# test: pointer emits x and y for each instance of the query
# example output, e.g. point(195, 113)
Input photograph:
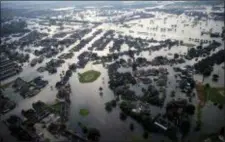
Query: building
point(6, 104)
point(19, 83)
point(166, 127)
point(8, 68)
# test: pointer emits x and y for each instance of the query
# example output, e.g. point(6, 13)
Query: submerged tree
point(93, 134)
point(176, 56)
point(123, 116)
point(131, 126)
point(145, 135)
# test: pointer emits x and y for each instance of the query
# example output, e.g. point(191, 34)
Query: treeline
point(12, 54)
point(13, 28)
point(205, 66)
point(200, 51)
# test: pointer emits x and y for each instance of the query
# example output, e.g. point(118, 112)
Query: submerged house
point(6, 104)
point(146, 80)
point(39, 83)
point(8, 68)
point(31, 88)
point(19, 83)
point(166, 127)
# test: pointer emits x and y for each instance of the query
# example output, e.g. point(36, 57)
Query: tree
point(176, 56)
point(101, 94)
point(222, 131)
point(93, 134)
point(53, 128)
point(131, 53)
point(207, 71)
point(121, 61)
point(199, 47)
point(143, 90)
point(85, 129)
point(134, 67)
point(79, 123)
point(207, 85)
point(14, 27)
point(62, 127)
point(172, 93)
point(185, 127)
point(220, 107)
point(72, 67)
point(27, 56)
point(68, 73)
point(14, 120)
point(115, 56)
point(125, 107)
point(141, 60)
point(205, 65)
point(181, 42)
point(123, 116)
point(190, 109)
point(131, 126)
point(192, 53)
point(113, 103)
point(23, 112)
point(198, 126)
point(108, 107)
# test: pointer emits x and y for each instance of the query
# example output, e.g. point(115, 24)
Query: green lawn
point(216, 95)
point(89, 76)
point(84, 112)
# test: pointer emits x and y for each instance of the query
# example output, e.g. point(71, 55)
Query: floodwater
point(87, 95)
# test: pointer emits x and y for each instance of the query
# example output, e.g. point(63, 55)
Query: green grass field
point(84, 112)
point(216, 95)
point(89, 76)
